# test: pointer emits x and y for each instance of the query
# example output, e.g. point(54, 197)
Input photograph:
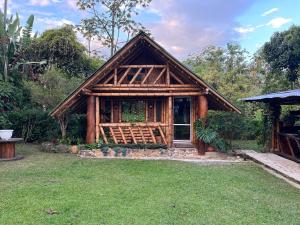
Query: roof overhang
point(290, 97)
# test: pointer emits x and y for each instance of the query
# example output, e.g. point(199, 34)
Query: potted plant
point(105, 150)
point(210, 137)
point(74, 145)
point(117, 151)
point(5, 132)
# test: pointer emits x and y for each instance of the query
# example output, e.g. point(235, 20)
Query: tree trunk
point(63, 122)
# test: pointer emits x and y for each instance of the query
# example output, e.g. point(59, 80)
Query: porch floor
point(285, 167)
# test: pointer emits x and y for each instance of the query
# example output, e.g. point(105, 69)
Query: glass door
point(182, 118)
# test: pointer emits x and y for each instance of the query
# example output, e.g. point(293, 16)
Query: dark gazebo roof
point(283, 97)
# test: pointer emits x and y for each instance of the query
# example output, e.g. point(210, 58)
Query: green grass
point(86, 191)
point(247, 144)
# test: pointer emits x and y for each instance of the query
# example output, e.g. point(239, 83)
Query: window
point(133, 111)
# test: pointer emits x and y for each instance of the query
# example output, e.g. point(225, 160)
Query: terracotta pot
point(74, 149)
point(211, 149)
point(158, 139)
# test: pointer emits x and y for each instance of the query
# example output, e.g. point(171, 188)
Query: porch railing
point(124, 133)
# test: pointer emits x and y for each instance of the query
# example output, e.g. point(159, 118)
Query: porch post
point(90, 119)
point(170, 121)
point(275, 114)
point(203, 110)
point(97, 119)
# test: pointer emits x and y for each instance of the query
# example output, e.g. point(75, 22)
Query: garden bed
point(170, 153)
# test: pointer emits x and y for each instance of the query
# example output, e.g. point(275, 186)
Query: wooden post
point(168, 74)
point(97, 119)
point(203, 107)
point(91, 122)
point(169, 121)
point(203, 110)
point(115, 76)
point(275, 111)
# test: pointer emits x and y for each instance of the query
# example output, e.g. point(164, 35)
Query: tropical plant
point(209, 136)
point(13, 42)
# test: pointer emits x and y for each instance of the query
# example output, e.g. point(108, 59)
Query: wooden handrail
point(135, 124)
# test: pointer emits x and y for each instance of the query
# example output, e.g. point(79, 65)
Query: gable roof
point(109, 64)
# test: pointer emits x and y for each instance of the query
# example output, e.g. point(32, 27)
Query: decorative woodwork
point(132, 132)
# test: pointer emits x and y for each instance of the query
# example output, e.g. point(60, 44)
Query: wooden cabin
point(285, 137)
point(143, 95)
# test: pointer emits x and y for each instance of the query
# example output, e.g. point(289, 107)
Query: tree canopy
point(109, 20)
point(282, 53)
point(61, 48)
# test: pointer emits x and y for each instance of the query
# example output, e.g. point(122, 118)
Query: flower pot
point(6, 134)
point(211, 149)
point(158, 139)
point(74, 149)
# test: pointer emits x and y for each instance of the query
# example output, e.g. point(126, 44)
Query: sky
point(183, 27)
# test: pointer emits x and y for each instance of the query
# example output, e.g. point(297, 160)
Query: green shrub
point(34, 125)
point(209, 136)
point(90, 146)
point(105, 150)
point(117, 150)
point(124, 152)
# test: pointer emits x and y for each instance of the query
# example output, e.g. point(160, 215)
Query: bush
point(34, 125)
point(210, 136)
point(105, 150)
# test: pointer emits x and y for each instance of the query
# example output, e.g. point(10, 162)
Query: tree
point(110, 19)
point(229, 71)
point(282, 53)
point(60, 47)
point(52, 87)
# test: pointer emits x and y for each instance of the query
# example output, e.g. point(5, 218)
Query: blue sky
point(183, 27)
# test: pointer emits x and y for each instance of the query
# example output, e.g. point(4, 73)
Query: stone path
point(285, 167)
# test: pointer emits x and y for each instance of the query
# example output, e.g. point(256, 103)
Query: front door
point(182, 118)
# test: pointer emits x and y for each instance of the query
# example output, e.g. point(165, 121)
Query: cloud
point(244, 30)
point(187, 26)
point(42, 2)
point(54, 22)
point(72, 4)
point(270, 11)
point(278, 22)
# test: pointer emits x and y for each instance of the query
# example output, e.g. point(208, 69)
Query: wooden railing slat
point(123, 137)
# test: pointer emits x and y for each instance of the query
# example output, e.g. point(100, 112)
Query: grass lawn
point(86, 191)
point(247, 144)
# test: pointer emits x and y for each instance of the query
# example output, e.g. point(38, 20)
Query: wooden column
point(203, 107)
point(275, 111)
point(169, 112)
point(203, 110)
point(91, 122)
point(97, 119)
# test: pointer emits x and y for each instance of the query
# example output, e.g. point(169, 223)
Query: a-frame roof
point(72, 100)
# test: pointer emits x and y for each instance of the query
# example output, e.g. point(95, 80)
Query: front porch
point(144, 120)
